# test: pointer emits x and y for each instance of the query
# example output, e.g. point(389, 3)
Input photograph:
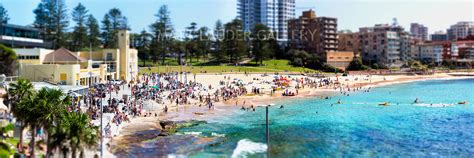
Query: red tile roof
point(62, 55)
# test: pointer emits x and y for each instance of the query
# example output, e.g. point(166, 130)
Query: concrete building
point(349, 41)
point(80, 68)
point(439, 36)
point(327, 28)
point(313, 34)
point(460, 30)
point(384, 44)
point(339, 59)
point(406, 43)
point(16, 36)
point(419, 31)
point(431, 52)
point(272, 13)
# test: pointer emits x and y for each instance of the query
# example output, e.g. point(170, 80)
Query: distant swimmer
point(339, 101)
point(462, 103)
point(281, 107)
point(417, 101)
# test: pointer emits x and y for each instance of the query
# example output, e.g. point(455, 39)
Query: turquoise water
point(358, 127)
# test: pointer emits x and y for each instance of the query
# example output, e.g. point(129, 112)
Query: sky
point(352, 14)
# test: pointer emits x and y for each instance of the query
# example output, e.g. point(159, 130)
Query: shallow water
point(358, 127)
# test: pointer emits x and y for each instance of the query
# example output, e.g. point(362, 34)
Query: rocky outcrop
point(161, 141)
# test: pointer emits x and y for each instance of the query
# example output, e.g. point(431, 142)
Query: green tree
point(42, 19)
point(51, 103)
point(79, 132)
point(18, 91)
point(93, 31)
point(112, 22)
point(3, 15)
point(356, 64)
point(191, 41)
point(143, 42)
point(6, 148)
point(108, 34)
point(179, 47)
point(28, 106)
point(162, 31)
point(7, 60)
point(261, 47)
point(203, 43)
point(234, 43)
point(52, 18)
point(218, 36)
point(79, 37)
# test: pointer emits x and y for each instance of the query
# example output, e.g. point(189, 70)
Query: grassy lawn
point(171, 62)
point(270, 66)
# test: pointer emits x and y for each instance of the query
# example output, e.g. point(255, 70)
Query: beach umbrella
point(155, 87)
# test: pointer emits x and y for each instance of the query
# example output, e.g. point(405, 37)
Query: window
point(109, 56)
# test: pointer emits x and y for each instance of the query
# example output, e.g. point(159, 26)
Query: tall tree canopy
point(142, 42)
point(234, 42)
point(162, 30)
point(7, 60)
point(218, 36)
point(79, 35)
point(93, 31)
point(112, 22)
point(3, 15)
point(261, 47)
point(52, 18)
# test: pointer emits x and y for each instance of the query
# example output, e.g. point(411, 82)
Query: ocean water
point(358, 127)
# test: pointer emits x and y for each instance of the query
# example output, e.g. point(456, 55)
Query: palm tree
point(16, 92)
point(54, 102)
point(43, 109)
point(80, 133)
point(28, 107)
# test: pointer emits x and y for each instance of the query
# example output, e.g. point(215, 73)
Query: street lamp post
point(267, 131)
point(101, 127)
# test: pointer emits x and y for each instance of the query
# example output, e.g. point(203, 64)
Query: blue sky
point(351, 14)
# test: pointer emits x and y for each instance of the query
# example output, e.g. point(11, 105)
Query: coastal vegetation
point(49, 111)
point(7, 60)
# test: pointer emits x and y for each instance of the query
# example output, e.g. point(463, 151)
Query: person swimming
point(339, 101)
point(281, 107)
point(417, 101)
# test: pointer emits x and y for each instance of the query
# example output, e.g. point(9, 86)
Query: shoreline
point(184, 113)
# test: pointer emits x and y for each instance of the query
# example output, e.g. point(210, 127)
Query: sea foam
point(245, 147)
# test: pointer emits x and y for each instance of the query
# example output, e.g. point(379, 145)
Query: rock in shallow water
point(160, 143)
point(163, 146)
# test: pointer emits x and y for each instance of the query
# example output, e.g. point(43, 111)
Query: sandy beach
point(135, 128)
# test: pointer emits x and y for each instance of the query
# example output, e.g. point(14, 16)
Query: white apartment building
point(460, 30)
point(431, 53)
point(272, 13)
